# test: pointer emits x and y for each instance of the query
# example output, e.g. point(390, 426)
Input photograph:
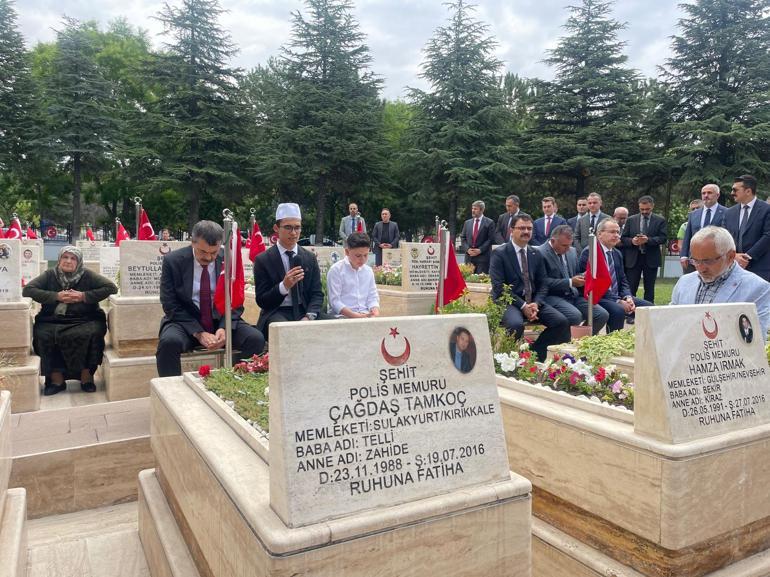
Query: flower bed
point(387, 275)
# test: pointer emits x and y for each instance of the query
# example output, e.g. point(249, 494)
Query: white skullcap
point(287, 210)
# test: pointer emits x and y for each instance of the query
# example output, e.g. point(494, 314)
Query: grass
point(663, 289)
point(245, 390)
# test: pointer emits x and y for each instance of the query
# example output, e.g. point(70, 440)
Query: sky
point(396, 30)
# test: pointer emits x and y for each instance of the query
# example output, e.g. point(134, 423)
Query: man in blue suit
point(749, 224)
point(618, 300)
point(544, 225)
point(521, 268)
point(712, 213)
point(718, 279)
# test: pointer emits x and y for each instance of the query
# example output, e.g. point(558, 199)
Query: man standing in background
point(477, 236)
point(384, 235)
point(641, 240)
point(710, 213)
point(354, 222)
point(503, 228)
point(582, 208)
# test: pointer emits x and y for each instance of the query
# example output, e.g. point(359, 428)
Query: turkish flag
point(360, 227)
point(14, 231)
point(454, 283)
point(256, 242)
point(238, 285)
point(598, 277)
point(31, 233)
point(90, 234)
point(2, 224)
point(122, 234)
point(145, 228)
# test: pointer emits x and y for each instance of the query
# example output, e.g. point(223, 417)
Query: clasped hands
point(639, 240)
point(214, 341)
point(292, 277)
point(70, 296)
point(474, 251)
point(530, 311)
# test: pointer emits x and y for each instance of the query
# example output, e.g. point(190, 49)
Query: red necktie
point(547, 225)
point(207, 322)
point(475, 231)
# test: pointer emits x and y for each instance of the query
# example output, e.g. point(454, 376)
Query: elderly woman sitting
point(69, 330)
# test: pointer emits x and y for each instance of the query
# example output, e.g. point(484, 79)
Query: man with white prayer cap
point(287, 280)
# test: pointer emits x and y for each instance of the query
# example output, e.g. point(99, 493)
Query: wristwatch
point(311, 316)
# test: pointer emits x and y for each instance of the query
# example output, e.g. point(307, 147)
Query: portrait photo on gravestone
point(462, 350)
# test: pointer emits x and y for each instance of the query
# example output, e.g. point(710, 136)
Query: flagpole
point(228, 226)
point(438, 228)
point(138, 206)
point(117, 226)
point(592, 261)
point(252, 219)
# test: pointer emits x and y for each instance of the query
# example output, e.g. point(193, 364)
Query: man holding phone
point(641, 240)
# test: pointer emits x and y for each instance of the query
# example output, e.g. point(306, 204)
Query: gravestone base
point(251, 309)
point(478, 293)
point(134, 323)
point(217, 490)
point(129, 377)
point(396, 302)
point(16, 328)
point(13, 503)
point(23, 381)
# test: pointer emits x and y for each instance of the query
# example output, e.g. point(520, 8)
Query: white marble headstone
point(389, 420)
point(109, 262)
point(420, 263)
point(391, 256)
point(248, 266)
point(327, 256)
point(698, 374)
point(141, 263)
point(91, 248)
point(10, 270)
point(30, 262)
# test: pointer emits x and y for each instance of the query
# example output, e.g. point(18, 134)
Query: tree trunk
point(320, 212)
point(452, 218)
point(78, 181)
point(194, 208)
point(580, 184)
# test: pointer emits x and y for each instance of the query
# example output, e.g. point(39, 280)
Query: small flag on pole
point(14, 231)
point(598, 279)
point(90, 234)
point(238, 285)
point(122, 234)
point(31, 233)
point(257, 243)
point(146, 231)
point(454, 283)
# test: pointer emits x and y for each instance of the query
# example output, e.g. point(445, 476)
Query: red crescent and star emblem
point(431, 251)
point(392, 359)
point(711, 334)
point(164, 249)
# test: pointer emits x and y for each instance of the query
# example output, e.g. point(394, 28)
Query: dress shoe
point(88, 387)
point(54, 389)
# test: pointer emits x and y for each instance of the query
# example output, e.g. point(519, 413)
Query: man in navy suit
point(582, 209)
point(641, 240)
point(549, 221)
point(521, 268)
point(618, 300)
point(749, 224)
point(503, 226)
point(712, 213)
point(477, 237)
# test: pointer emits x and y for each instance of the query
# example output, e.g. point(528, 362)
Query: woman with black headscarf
point(69, 329)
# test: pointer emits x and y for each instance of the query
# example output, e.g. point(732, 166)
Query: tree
point(197, 127)
point(588, 118)
point(327, 140)
point(717, 98)
point(461, 127)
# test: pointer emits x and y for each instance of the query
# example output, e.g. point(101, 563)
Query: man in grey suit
point(718, 278)
point(749, 223)
point(477, 236)
point(712, 213)
point(354, 222)
point(564, 280)
point(384, 235)
point(588, 223)
point(503, 227)
point(641, 240)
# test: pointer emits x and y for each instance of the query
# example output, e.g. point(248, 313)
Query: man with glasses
point(718, 279)
point(519, 267)
point(749, 224)
point(287, 280)
point(710, 213)
point(187, 286)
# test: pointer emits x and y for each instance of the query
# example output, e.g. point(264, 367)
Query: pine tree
point(587, 119)
point(718, 91)
point(197, 127)
point(461, 128)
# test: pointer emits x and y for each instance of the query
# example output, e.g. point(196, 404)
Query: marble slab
point(109, 263)
point(396, 302)
point(705, 371)
point(91, 249)
point(391, 256)
point(10, 269)
point(16, 328)
point(134, 324)
point(30, 262)
point(327, 256)
point(13, 535)
point(141, 262)
point(400, 424)
point(420, 266)
point(23, 382)
point(5, 446)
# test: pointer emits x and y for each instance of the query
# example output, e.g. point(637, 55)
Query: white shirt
point(196, 288)
point(351, 288)
point(748, 212)
point(713, 210)
point(285, 260)
point(518, 253)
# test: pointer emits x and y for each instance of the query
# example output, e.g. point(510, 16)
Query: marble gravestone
point(420, 266)
point(327, 256)
point(391, 256)
point(10, 270)
point(395, 423)
point(704, 371)
point(141, 262)
point(30, 262)
point(91, 249)
point(109, 262)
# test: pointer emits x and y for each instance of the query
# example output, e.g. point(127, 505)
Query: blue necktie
point(611, 266)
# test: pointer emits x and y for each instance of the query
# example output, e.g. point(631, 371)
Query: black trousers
point(635, 274)
point(174, 341)
point(556, 327)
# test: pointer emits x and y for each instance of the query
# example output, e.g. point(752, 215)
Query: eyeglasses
point(522, 228)
point(290, 228)
point(706, 261)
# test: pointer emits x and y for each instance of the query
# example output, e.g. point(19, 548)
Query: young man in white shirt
point(350, 282)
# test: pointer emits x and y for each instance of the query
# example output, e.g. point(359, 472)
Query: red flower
point(601, 374)
point(556, 357)
point(204, 371)
point(532, 369)
point(525, 354)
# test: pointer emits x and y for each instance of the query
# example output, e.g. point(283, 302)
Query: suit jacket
point(756, 238)
point(693, 225)
point(176, 286)
point(502, 230)
point(504, 271)
point(656, 235)
point(465, 359)
point(741, 286)
point(268, 274)
point(484, 240)
point(573, 221)
point(580, 240)
point(391, 239)
point(558, 284)
point(538, 235)
point(620, 274)
point(345, 226)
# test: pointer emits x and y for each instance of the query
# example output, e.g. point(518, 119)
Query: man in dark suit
point(749, 224)
point(477, 236)
point(642, 238)
point(503, 227)
point(712, 213)
point(565, 282)
point(521, 268)
point(187, 287)
point(582, 208)
point(589, 221)
point(549, 221)
point(384, 235)
point(460, 350)
point(287, 280)
point(618, 300)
